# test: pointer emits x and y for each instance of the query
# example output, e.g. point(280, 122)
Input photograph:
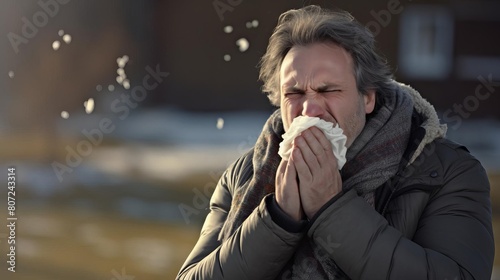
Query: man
point(408, 204)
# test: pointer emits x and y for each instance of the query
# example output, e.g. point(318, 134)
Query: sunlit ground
point(58, 242)
point(129, 227)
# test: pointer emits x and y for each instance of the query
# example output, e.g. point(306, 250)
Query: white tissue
point(334, 134)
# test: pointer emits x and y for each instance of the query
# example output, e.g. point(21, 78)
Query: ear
point(369, 98)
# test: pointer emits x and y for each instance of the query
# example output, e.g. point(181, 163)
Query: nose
point(311, 107)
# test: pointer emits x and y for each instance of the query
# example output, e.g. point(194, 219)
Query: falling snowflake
point(56, 44)
point(126, 84)
point(252, 24)
point(243, 44)
point(220, 123)
point(67, 38)
point(228, 29)
point(122, 77)
point(89, 105)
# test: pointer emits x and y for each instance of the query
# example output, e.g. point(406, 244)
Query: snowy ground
point(170, 143)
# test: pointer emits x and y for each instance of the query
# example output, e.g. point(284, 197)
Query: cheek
point(355, 124)
point(285, 113)
point(289, 110)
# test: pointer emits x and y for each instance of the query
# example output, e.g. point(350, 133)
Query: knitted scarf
point(372, 159)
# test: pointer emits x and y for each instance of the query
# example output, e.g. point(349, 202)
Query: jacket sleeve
point(453, 239)
point(259, 248)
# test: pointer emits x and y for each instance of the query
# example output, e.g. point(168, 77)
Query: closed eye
point(329, 90)
point(292, 94)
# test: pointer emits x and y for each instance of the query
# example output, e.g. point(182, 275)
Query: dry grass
point(86, 246)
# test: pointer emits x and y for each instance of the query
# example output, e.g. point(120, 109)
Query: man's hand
point(318, 176)
point(287, 190)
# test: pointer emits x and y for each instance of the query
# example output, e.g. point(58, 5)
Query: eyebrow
point(331, 84)
point(292, 89)
point(324, 87)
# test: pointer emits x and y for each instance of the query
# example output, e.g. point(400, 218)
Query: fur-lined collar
point(433, 128)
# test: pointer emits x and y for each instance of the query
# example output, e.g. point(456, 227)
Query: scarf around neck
point(372, 159)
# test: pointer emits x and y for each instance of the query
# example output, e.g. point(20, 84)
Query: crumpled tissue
point(334, 134)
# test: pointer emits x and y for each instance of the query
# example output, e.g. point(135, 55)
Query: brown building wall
point(192, 44)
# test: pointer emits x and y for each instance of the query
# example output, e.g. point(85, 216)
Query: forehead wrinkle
point(288, 79)
point(299, 71)
point(298, 78)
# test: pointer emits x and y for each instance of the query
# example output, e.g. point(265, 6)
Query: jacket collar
point(425, 121)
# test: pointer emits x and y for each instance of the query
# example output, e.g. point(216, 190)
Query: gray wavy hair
point(313, 24)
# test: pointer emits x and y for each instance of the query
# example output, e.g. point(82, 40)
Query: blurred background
point(120, 116)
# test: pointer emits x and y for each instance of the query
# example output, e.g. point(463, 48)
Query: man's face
point(318, 80)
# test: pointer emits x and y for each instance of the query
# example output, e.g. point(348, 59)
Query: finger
point(294, 175)
point(303, 170)
point(280, 173)
point(310, 158)
point(320, 136)
point(290, 173)
point(314, 143)
point(326, 145)
point(291, 192)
